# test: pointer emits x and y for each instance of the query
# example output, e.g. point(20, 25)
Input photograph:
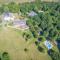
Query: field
point(17, 1)
point(11, 41)
point(50, 0)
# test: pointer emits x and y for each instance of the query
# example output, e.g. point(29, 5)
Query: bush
point(36, 42)
point(26, 36)
point(5, 56)
point(40, 49)
point(54, 55)
point(40, 39)
point(25, 49)
point(50, 51)
point(0, 59)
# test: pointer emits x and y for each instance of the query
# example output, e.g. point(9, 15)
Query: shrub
point(54, 55)
point(0, 59)
point(25, 49)
point(36, 42)
point(5, 56)
point(40, 49)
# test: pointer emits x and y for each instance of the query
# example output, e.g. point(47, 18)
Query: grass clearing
point(14, 44)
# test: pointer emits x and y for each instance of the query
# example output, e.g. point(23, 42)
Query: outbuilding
point(32, 13)
point(8, 16)
point(48, 44)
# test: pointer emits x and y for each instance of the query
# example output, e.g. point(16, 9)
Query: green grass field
point(12, 41)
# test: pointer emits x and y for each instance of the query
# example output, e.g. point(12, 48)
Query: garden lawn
point(14, 44)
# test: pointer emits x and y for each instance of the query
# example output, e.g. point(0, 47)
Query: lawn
point(14, 44)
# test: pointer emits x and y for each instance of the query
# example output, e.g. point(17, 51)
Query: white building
point(48, 44)
point(8, 17)
point(32, 13)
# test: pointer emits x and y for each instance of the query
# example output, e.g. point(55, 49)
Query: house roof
point(8, 16)
point(19, 22)
point(32, 13)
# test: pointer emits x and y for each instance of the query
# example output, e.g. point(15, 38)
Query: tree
point(26, 36)
point(0, 58)
point(54, 55)
point(40, 49)
point(1, 9)
point(6, 9)
point(36, 43)
point(13, 7)
point(5, 56)
point(52, 33)
point(25, 49)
